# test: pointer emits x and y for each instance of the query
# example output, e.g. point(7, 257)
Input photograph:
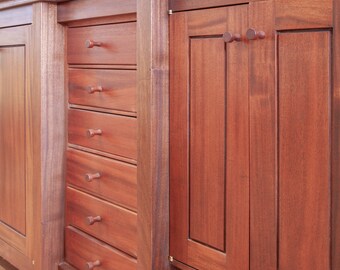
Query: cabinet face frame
point(10, 37)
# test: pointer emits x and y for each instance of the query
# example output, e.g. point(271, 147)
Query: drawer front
point(103, 44)
point(108, 133)
point(111, 89)
point(113, 180)
point(82, 250)
point(111, 224)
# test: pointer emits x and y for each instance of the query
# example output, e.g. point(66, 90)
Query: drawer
point(110, 89)
point(105, 221)
point(105, 132)
point(113, 180)
point(102, 44)
point(82, 250)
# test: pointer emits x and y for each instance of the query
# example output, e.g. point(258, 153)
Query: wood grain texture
point(119, 88)
point(304, 150)
point(88, 9)
point(5, 4)
point(119, 133)
point(117, 227)
point(16, 16)
point(153, 138)
point(12, 138)
point(118, 44)
point(335, 236)
point(81, 248)
point(263, 184)
point(207, 142)
point(223, 76)
point(117, 182)
point(181, 5)
point(303, 14)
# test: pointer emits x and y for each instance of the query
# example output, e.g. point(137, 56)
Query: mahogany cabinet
point(32, 135)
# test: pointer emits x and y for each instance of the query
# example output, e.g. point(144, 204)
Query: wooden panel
point(118, 44)
point(118, 132)
point(118, 88)
point(230, 93)
point(13, 255)
point(207, 141)
point(180, 5)
point(88, 9)
point(302, 14)
point(16, 16)
point(12, 138)
point(153, 134)
point(5, 4)
point(81, 249)
point(335, 236)
point(118, 226)
point(304, 150)
point(117, 182)
point(263, 187)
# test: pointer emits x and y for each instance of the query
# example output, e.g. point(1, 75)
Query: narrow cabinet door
point(209, 139)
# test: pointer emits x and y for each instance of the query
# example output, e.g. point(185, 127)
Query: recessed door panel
point(209, 139)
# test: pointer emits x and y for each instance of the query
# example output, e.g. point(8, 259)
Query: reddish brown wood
point(263, 186)
point(217, 119)
point(118, 88)
point(81, 249)
point(207, 141)
point(304, 150)
point(117, 226)
point(117, 182)
point(12, 138)
point(335, 235)
point(118, 132)
point(118, 44)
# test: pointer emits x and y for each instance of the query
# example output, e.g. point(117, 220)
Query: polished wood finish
point(81, 249)
point(303, 14)
point(118, 44)
point(117, 182)
point(12, 138)
point(335, 168)
point(5, 4)
point(118, 88)
point(17, 16)
point(181, 5)
point(118, 133)
point(263, 159)
point(209, 140)
point(89, 9)
point(153, 134)
point(117, 226)
point(304, 150)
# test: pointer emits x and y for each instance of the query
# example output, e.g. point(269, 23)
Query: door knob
point(93, 132)
point(92, 265)
point(90, 43)
point(230, 37)
point(252, 34)
point(92, 220)
point(91, 176)
point(93, 89)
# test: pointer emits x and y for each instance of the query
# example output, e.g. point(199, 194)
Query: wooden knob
point(93, 220)
point(92, 265)
point(91, 176)
point(93, 89)
point(252, 34)
point(94, 132)
point(230, 37)
point(90, 44)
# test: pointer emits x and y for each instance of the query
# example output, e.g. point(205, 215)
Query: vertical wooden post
point(336, 139)
point(153, 135)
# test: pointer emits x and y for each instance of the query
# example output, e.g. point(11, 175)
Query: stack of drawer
point(101, 191)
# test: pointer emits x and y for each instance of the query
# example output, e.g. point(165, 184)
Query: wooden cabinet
point(251, 124)
point(32, 135)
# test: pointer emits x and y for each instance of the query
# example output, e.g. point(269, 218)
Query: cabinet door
point(209, 139)
point(13, 135)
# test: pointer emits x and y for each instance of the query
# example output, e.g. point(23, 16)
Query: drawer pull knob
point(93, 220)
point(230, 37)
point(94, 132)
point(90, 43)
point(92, 265)
point(91, 176)
point(93, 89)
point(252, 34)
